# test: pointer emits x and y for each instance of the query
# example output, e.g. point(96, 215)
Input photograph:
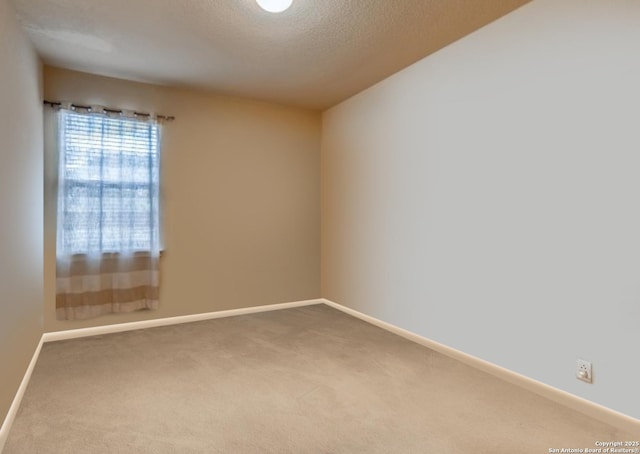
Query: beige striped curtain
point(91, 286)
point(108, 239)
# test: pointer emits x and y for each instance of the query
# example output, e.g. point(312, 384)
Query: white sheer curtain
point(108, 222)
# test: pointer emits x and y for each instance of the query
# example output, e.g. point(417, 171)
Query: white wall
point(488, 197)
point(20, 205)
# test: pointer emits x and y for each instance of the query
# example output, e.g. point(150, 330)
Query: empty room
point(302, 226)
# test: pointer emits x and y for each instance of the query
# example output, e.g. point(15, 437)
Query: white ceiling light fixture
point(274, 6)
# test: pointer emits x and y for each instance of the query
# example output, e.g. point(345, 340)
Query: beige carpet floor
point(304, 380)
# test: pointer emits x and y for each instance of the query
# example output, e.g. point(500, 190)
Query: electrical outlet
point(584, 371)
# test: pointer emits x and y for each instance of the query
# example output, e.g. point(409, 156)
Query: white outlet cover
point(584, 371)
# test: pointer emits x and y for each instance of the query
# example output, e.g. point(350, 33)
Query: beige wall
point(488, 197)
point(242, 197)
point(20, 205)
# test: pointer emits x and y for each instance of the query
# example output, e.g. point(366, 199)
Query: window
point(108, 241)
point(109, 184)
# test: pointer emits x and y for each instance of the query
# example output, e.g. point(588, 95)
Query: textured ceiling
point(316, 54)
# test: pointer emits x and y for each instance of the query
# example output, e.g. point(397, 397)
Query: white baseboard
point(120, 327)
point(17, 399)
point(564, 398)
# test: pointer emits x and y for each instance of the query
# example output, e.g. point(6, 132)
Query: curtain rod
point(110, 110)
